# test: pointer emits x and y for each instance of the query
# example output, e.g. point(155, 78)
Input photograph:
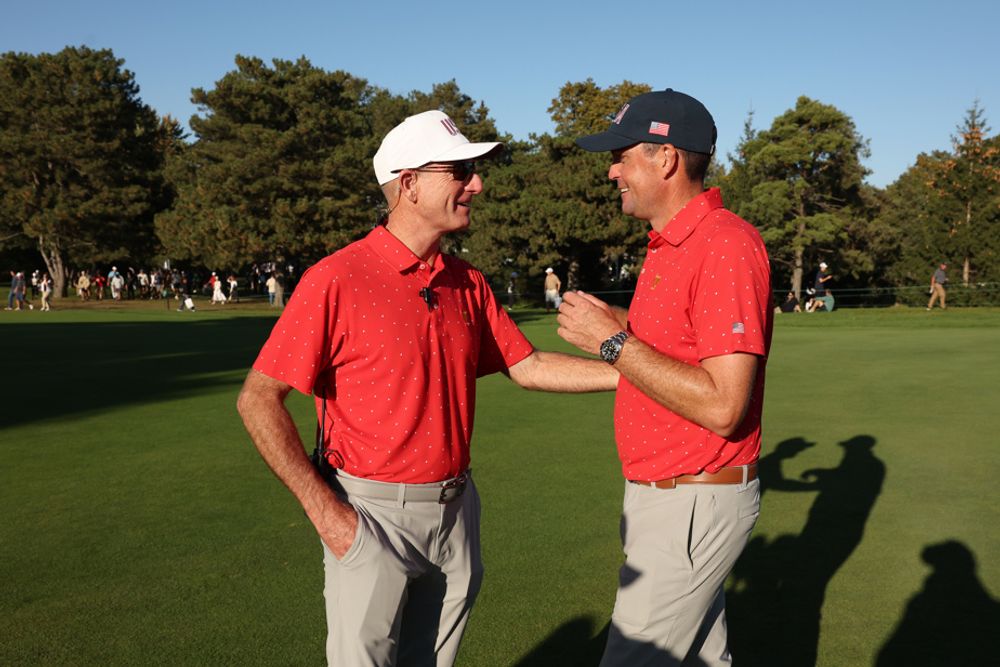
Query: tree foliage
point(583, 107)
point(278, 168)
point(281, 167)
point(946, 208)
point(80, 158)
point(920, 218)
point(800, 183)
point(553, 204)
point(970, 180)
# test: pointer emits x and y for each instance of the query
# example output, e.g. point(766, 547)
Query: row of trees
point(280, 169)
point(801, 182)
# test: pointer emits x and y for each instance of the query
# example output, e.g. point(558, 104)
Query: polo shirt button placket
point(426, 277)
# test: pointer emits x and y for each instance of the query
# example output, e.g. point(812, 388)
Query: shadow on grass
point(949, 622)
point(572, 645)
point(569, 644)
point(60, 369)
point(778, 588)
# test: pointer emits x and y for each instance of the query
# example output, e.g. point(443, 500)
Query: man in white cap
point(822, 280)
point(552, 287)
point(390, 335)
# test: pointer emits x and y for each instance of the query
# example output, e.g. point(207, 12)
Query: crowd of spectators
point(160, 284)
point(100, 284)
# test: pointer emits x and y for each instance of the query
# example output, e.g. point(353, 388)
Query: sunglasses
point(462, 171)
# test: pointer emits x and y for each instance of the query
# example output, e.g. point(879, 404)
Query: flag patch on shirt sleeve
point(738, 327)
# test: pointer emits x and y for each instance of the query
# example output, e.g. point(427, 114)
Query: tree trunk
point(968, 235)
point(54, 263)
point(799, 253)
point(573, 274)
point(797, 274)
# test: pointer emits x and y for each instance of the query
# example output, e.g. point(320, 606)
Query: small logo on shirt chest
point(656, 281)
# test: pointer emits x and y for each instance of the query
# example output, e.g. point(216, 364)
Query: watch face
point(610, 349)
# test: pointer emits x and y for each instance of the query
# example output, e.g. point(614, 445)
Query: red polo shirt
point(704, 291)
point(399, 375)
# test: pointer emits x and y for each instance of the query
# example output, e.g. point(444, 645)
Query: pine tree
point(971, 178)
point(80, 159)
point(553, 204)
point(800, 183)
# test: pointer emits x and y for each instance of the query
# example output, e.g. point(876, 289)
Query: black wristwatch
point(611, 349)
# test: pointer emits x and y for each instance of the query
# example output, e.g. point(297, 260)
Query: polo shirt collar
point(395, 252)
point(684, 223)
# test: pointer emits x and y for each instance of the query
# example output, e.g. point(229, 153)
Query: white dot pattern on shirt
point(692, 291)
point(364, 315)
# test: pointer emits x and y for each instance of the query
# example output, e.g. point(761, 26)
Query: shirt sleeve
point(732, 295)
point(299, 348)
point(502, 344)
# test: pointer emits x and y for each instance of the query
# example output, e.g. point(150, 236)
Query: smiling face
point(446, 191)
point(638, 174)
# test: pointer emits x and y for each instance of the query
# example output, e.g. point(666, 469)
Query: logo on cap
point(449, 125)
point(662, 129)
point(620, 115)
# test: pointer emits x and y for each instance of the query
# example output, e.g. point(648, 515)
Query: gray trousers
point(680, 545)
point(403, 592)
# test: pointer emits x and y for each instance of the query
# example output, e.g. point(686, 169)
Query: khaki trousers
point(680, 545)
point(402, 593)
point(938, 293)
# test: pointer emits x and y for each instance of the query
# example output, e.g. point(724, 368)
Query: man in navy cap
point(691, 351)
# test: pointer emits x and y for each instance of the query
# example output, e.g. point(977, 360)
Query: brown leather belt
point(734, 475)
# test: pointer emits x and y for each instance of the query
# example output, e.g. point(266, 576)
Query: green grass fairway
point(140, 526)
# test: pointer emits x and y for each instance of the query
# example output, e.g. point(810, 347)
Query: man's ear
point(669, 159)
point(408, 185)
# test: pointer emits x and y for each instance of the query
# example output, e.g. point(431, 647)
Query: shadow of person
point(570, 645)
point(776, 599)
point(769, 467)
point(951, 620)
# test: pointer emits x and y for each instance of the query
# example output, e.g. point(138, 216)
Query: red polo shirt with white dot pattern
point(704, 291)
point(398, 374)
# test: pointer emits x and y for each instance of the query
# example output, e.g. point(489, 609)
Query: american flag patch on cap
point(662, 129)
point(738, 327)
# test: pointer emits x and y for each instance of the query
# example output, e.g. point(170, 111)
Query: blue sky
point(906, 72)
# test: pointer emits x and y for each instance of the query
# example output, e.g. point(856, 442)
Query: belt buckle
point(457, 483)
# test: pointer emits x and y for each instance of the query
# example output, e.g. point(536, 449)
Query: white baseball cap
point(822, 265)
point(423, 138)
point(548, 270)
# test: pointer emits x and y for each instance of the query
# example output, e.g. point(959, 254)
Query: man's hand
point(339, 533)
point(261, 404)
point(586, 321)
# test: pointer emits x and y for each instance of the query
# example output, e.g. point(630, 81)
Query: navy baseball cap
point(660, 117)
